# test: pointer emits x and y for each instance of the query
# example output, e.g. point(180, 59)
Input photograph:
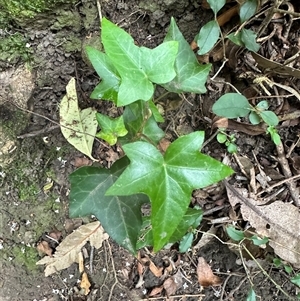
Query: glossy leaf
point(140, 124)
point(248, 37)
point(139, 67)
point(111, 128)
point(247, 10)
point(110, 80)
point(120, 216)
point(216, 5)
point(168, 180)
point(235, 234)
point(231, 105)
point(77, 126)
point(208, 36)
point(190, 75)
point(221, 138)
point(190, 220)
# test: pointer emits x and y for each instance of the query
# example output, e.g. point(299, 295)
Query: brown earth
point(30, 210)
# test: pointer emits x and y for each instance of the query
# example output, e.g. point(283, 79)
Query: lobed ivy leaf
point(248, 37)
point(247, 10)
point(191, 219)
point(190, 75)
point(208, 36)
point(140, 122)
point(120, 216)
point(111, 128)
point(216, 5)
point(231, 105)
point(110, 80)
point(168, 180)
point(138, 66)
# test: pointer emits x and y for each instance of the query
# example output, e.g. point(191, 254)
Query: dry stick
point(287, 173)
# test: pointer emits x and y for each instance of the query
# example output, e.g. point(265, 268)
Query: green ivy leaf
point(186, 242)
point(236, 38)
point(157, 116)
point(111, 128)
point(208, 36)
point(190, 75)
point(110, 80)
point(168, 180)
point(254, 118)
point(137, 66)
point(140, 123)
point(120, 216)
point(251, 295)
point(247, 10)
point(248, 37)
point(235, 234)
point(191, 219)
point(270, 118)
point(216, 5)
point(231, 105)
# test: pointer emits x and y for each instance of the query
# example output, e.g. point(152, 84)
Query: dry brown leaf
point(67, 251)
point(172, 284)
point(156, 291)
point(44, 248)
point(279, 221)
point(249, 129)
point(85, 283)
point(155, 270)
point(80, 262)
point(205, 275)
point(81, 161)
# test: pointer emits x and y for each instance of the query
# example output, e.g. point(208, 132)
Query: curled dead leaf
point(85, 283)
point(205, 275)
point(172, 284)
point(44, 248)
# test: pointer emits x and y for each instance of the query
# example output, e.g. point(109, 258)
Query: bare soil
point(31, 207)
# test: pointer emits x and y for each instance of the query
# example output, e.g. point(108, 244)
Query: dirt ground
point(36, 161)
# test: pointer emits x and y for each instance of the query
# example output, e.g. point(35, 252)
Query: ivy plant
point(145, 176)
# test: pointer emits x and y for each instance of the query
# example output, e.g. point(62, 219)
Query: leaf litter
point(67, 251)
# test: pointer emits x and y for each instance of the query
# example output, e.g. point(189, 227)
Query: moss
point(29, 8)
point(26, 256)
point(13, 48)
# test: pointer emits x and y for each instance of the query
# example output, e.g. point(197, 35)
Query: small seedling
point(228, 140)
point(234, 105)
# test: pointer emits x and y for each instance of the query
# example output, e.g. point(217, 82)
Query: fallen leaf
point(44, 248)
point(156, 291)
point(81, 161)
point(172, 284)
point(278, 221)
point(55, 234)
point(155, 270)
point(80, 262)
point(77, 126)
point(205, 275)
point(85, 283)
point(67, 252)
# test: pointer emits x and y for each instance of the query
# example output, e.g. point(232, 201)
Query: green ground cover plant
point(145, 175)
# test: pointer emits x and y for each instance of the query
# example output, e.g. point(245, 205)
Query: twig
point(39, 132)
point(287, 172)
point(91, 259)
